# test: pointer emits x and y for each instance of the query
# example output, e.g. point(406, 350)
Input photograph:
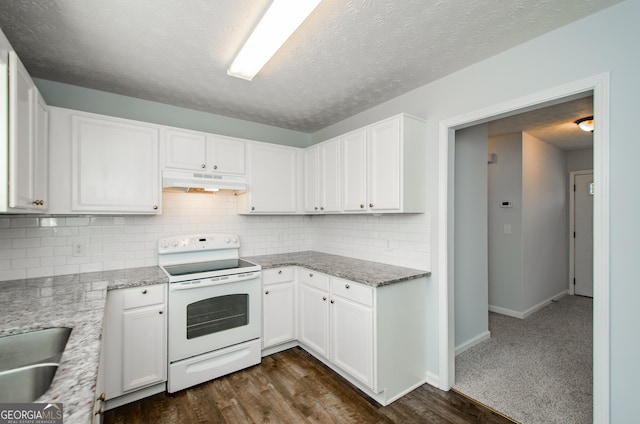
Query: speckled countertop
point(371, 273)
point(75, 301)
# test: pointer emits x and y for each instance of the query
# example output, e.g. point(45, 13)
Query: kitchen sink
point(28, 362)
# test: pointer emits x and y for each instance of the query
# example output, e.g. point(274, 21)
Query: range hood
point(207, 181)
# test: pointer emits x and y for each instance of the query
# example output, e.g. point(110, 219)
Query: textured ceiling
point(348, 56)
point(552, 124)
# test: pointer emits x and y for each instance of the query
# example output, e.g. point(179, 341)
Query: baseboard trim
point(432, 379)
point(533, 309)
point(472, 342)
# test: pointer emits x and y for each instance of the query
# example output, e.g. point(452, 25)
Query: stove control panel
point(198, 242)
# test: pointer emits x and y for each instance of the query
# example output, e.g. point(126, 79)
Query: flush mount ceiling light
point(586, 123)
point(280, 21)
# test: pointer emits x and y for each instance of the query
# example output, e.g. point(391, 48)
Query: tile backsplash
point(36, 246)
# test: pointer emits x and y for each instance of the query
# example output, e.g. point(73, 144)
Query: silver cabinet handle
point(203, 166)
point(332, 301)
point(321, 208)
point(310, 274)
point(267, 292)
point(370, 205)
point(346, 286)
point(215, 166)
point(144, 291)
point(161, 312)
point(253, 208)
point(279, 271)
point(324, 297)
point(155, 207)
point(361, 206)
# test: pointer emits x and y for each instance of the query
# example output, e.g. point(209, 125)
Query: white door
point(583, 234)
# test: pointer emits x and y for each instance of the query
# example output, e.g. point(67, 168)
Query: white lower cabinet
point(352, 334)
point(135, 343)
point(375, 337)
point(314, 311)
point(278, 306)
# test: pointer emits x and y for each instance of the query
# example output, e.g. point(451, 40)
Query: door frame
point(572, 207)
point(599, 86)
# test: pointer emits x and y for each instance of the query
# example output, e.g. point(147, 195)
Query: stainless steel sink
point(29, 361)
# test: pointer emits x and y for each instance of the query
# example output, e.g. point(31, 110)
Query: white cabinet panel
point(272, 180)
point(185, 150)
point(28, 142)
point(322, 178)
point(383, 167)
point(278, 307)
point(354, 171)
point(201, 151)
point(143, 347)
point(314, 319)
point(134, 340)
point(352, 338)
point(114, 166)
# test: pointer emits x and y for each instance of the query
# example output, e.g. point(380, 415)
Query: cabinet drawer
point(144, 296)
point(314, 278)
point(352, 291)
point(277, 275)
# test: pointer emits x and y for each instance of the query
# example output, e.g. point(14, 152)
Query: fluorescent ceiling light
point(280, 21)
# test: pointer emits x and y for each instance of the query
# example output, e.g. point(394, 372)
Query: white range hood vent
point(185, 180)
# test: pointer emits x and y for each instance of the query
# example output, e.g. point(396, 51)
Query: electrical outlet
point(387, 245)
point(78, 249)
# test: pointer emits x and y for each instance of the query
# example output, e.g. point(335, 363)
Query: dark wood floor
point(294, 387)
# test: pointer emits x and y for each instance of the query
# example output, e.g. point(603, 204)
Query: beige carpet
point(536, 370)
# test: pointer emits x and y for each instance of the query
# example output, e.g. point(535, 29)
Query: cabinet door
point(228, 155)
point(354, 172)
point(114, 166)
point(329, 183)
point(21, 135)
point(273, 179)
point(352, 339)
point(278, 325)
point(311, 183)
point(41, 157)
point(383, 172)
point(314, 319)
point(185, 150)
point(144, 347)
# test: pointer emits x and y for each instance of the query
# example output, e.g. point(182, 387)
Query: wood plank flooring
point(294, 387)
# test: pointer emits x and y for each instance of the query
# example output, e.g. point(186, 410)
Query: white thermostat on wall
point(506, 204)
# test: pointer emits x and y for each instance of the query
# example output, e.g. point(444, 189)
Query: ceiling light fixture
point(280, 21)
point(586, 123)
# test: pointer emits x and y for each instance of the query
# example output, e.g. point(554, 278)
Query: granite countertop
point(366, 272)
point(75, 301)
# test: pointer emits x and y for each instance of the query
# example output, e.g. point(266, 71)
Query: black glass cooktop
point(209, 266)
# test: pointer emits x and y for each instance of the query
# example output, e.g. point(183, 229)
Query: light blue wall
point(470, 229)
point(554, 59)
point(88, 100)
point(505, 250)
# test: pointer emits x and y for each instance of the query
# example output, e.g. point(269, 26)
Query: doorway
point(599, 85)
point(581, 238)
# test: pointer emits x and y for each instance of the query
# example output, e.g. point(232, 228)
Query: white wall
point(33, 246)
point(505, 250)
point(579, 160)
point(470, 227)
point(549, 61)
point(545, 270)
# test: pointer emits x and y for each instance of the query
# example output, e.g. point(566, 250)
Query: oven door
point(206, 315)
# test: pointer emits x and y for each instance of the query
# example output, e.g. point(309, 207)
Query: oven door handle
point(213, 281)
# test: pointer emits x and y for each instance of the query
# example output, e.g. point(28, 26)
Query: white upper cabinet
point(354, 171)
point(27, 123)
point(322, 177)
point(114, 166)
point(272, 173)
point(206, 152)
point(383, 167)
